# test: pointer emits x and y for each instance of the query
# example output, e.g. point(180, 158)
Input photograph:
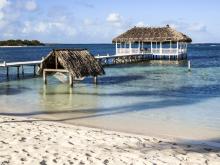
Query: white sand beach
point(27, 141)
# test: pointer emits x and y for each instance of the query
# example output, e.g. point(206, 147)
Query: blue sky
point(98, 21)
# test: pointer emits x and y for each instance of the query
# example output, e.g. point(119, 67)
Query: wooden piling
point(34, 70)
point(22, 70)
point(70, 80)
point(18, 71)
point(7, 72)
point(45, 77)
point(95, 79)
point(189, 66)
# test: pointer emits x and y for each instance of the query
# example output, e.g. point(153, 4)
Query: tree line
point(21, 43)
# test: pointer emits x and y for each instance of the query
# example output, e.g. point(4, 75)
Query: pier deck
point(104, 60)
point(137, 57)
point(8, 65)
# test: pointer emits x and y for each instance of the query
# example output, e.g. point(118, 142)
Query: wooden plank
point(20, 63)
point(56, 70)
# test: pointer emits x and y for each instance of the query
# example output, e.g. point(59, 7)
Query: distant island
point(21, 43)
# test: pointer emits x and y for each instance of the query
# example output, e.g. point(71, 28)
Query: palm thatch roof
point(79, 62)
point(152, 34)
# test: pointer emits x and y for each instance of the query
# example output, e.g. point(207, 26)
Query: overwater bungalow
point(77, 63)
point(158, 42)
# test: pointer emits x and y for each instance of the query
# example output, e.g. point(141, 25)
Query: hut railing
point(168, 51)
point(156, 51)
point(128, 51)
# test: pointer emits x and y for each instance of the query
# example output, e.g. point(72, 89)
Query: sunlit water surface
point(148, 98)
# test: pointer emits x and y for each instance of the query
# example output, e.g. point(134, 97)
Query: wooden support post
point(177, 48)
point(22, 70)
point(45, 77)
point(189, 66)
point(95, 79)
point(7, 72)
point(70, 80)
point(18, 71)
point(160, 48)
point(151, 47)
point(139, 47)
point(34, 70)
point(130, 47)
point(116, 48)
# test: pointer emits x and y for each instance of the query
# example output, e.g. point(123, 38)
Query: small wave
point(213, 45)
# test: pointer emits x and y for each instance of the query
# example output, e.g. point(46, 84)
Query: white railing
point(168, 51)
point(155, 51)
point(128, 51)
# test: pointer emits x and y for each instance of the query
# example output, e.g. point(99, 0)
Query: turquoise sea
point(147, 98)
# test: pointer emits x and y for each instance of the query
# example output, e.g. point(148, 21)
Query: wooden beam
point(56, 70)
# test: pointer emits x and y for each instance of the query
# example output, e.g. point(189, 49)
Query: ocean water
point(147, 98)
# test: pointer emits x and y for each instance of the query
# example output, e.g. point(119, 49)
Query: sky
point(98, 21)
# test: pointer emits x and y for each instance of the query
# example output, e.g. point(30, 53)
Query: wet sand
point(27, 141)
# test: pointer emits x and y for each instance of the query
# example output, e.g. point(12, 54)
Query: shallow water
point(147, 98)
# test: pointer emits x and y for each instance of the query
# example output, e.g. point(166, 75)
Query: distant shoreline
point(22, 46)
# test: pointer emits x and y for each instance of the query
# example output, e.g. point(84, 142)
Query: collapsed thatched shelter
point(77, 62)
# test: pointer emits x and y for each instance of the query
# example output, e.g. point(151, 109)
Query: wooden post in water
point(18, 71)
point(34, 70)
point(44, 77)
point(22, 70)
point(95, 79)
point(70, 80)
point(189, 66)
point(7, 72)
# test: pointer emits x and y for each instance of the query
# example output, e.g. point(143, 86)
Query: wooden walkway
point(132, 58)
point(19, 65)
point(104, 60)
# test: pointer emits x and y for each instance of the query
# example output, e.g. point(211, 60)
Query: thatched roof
point(79, 62)
point(149, 34)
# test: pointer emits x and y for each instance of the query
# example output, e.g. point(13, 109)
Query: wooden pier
point(104, 60)
point(132, 58)
point(19, 65)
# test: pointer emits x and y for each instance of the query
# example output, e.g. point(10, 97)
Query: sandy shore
point(24, 141)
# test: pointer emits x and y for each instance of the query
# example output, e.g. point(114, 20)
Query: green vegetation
point(21, 43)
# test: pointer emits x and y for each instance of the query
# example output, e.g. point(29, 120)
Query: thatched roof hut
point(78, 62)
point(152, 34)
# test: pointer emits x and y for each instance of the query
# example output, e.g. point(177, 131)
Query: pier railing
point(128, 51)
point(154, 51)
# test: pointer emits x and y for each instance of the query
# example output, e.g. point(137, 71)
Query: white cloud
point(47, 27)
point(30, 5)
point(197, 27)
point(1, 15)
point(3, 3)
point(140, 24)
point(88, 22)
point(186, 26)
point(114, 18)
